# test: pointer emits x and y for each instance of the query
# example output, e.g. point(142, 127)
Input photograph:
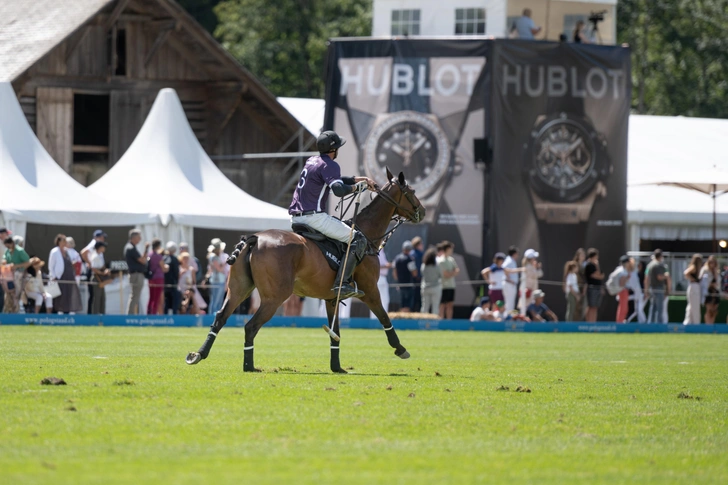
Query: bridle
point(406, 192)
point(412, 215)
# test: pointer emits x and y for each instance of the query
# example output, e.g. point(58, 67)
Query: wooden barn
point(87, 72)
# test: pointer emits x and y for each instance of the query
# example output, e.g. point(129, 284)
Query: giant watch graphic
point(414, 143)
point(566, 166)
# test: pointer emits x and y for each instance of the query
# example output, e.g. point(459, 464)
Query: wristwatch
point(413, 143)
point(566, 166)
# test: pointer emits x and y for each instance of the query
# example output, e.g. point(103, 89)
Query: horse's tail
point(245, 241)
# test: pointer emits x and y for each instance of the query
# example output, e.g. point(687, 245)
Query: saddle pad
point(332, 250)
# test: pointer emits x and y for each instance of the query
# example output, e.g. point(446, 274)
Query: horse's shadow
point(324, 373)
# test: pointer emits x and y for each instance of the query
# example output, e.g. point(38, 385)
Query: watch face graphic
point(409, 142)
point(563, 161)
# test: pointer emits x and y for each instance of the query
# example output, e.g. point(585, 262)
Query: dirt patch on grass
point(687, 395)
point(503, 388)
point(125, 382)
point(53, 381)
point(523, 389)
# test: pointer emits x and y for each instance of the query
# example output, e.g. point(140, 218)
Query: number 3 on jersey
point(302, 182)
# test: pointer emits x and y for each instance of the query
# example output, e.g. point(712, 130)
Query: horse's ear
point(401, 178)
point(389, 174)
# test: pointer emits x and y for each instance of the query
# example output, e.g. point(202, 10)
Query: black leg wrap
point(248, 363)
point(392, 338)
point(335, 363)
point(205, 349)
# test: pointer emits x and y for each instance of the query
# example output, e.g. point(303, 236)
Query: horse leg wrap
point(205, 349)
point(248, 364)
point(335, 363)
point(392, 337)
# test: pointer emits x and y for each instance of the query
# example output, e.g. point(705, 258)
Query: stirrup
point(348, 291)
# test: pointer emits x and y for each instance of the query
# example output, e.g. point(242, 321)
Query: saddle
point(332, 249)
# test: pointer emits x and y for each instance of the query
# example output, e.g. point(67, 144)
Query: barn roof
point(31, 28)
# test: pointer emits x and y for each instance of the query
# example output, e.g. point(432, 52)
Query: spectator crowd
point(177, 281)
point(425, 282)
point(635, 285)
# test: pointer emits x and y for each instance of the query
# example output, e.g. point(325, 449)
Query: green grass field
point(602, 408)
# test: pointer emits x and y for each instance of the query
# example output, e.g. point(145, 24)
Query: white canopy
point(166, 172)
point(34, 188)
point(308, 111)
point(676, 151)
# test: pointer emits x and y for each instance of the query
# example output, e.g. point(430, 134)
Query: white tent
point(308, 111)
point(34, 188)
point(166, 172)
point(675, 149)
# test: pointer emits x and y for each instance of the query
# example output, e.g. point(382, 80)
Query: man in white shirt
point(99, 273)
point(88, 253)
point(382, 283)
point(510, 289)
point(525, 26)
point(483, 312)
point(637, 297)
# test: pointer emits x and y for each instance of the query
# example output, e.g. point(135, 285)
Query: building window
point(570, 24)
point(469, 21)
point(116, 51)
point(91, 127)
point(406, 22)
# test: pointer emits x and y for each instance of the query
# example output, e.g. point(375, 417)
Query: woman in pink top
point(156, 283)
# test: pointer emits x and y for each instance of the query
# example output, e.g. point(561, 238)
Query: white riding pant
point(325, 224)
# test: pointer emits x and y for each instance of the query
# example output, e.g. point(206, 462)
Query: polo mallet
point(328, 330)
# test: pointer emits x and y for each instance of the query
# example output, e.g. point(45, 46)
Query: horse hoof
point(403, 355)
point(339, 371)
point(193, 358)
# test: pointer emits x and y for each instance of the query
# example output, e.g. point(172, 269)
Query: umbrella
point(709, 182)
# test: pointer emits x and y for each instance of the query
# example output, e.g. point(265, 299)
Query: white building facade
point(491, 17)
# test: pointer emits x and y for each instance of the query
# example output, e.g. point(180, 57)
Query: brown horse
point(279, 263)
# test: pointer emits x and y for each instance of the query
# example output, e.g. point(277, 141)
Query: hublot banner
point(506, 143)
point(559, 128)
point(418, 106)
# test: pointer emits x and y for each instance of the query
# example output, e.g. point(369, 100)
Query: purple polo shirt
point(312, 191)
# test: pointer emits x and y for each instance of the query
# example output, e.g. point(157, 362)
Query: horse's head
point(402, 196)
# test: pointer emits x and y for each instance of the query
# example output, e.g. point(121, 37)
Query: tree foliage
point(284, 42)
point(202, 11)
point(679, 55)
point(679, 47)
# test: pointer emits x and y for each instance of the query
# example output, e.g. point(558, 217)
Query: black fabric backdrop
point(496, 119)
point(535, 81)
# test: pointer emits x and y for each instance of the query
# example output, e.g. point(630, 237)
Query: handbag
point(53, 289)
point(149, 273)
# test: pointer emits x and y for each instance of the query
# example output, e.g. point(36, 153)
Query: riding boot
point(348, 288)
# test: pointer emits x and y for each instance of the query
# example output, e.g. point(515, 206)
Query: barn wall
point(54, 118)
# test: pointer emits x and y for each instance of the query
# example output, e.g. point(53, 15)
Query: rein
point(411, 215)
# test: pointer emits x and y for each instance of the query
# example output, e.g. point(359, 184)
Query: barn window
point(116, 50)
point(91, 127)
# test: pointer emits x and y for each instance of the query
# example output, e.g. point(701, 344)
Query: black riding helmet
point(328, 141)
